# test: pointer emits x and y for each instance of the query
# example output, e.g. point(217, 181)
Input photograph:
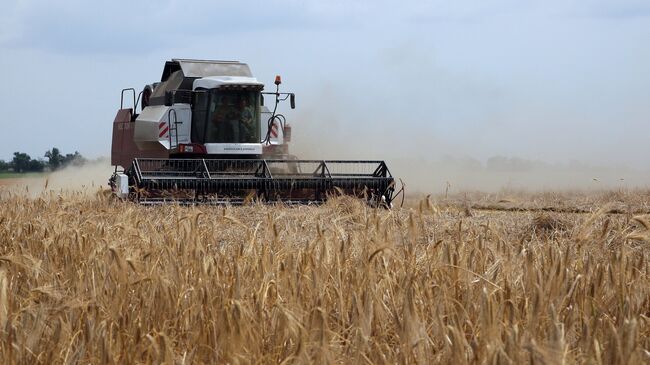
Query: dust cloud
point(87, 179)
point(427, 164)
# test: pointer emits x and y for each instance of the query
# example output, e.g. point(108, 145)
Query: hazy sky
point(546, 80)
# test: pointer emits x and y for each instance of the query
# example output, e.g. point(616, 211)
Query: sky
point(555, 81)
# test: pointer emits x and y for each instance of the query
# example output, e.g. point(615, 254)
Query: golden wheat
point(92, 280)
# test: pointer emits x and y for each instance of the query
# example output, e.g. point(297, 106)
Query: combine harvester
point(204, 136)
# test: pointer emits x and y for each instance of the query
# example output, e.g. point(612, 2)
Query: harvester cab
point(204, 135)
point(199, 108)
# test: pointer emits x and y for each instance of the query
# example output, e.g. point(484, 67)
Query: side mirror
point(292, 100)
point(261, 100)
point(169, 98)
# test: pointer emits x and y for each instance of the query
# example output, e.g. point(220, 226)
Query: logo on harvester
point(162, 129)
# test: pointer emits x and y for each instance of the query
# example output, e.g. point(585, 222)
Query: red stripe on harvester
point(163, 132)
point(162, 124)
point(274, 130)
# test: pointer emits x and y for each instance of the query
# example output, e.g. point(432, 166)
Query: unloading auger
point(204, 136)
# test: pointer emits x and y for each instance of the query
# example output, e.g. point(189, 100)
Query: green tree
point(20, 162)
point(4, 166)
point(36, 166)
point(54, 158)
point(75, 159)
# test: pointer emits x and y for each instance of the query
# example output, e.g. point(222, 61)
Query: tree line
point(53, 160)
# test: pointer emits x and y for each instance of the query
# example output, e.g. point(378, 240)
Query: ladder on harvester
point(173, 130)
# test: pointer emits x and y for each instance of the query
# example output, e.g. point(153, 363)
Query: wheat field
point(90, 280)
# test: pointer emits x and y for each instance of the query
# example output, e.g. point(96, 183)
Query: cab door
point(180, 122)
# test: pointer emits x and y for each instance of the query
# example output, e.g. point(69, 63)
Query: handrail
point(122, 98)
point(137, 101)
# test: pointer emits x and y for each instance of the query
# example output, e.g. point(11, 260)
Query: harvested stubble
point(94, 281)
